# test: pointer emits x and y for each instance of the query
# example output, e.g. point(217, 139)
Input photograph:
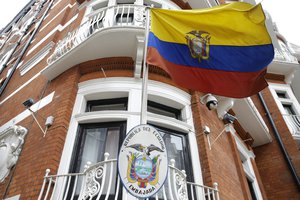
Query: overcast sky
point(285, 13)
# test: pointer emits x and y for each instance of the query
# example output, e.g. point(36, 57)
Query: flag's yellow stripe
point(225, 25)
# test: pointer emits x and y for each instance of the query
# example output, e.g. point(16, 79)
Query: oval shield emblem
point(198, 43)
point(143, 161)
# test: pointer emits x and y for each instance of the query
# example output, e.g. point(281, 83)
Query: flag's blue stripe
point(226, 58)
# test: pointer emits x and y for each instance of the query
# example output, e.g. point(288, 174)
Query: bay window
point(105, 110)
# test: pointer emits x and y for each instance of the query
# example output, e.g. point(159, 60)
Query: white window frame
point(122, 87)
point(246, 157)
point(290, 100)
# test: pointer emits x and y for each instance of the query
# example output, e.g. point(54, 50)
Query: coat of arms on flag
point(198, 43)
point(143, 163)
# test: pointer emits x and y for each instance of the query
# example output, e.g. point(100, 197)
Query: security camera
point(229, 118)
point(28, 103)
point(211, 102)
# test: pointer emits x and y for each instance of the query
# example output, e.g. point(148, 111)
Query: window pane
point(251, 188)
point(92, 142)
point(161, 112)
point(289, 109)
point(281, 94)
point(112, 142)
point(164, 110)
point(174, 145)
point(177, 149)
point(93, 146)
point(107, 104)
point(108, 107)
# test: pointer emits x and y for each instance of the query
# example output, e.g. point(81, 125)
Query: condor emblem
point(198, 43)
point(142, 161)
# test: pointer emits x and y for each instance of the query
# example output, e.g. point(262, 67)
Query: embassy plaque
point(143, 162)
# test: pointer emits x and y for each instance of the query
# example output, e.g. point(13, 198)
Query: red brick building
point(75, 68)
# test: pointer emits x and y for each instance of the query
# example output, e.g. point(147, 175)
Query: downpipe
point(27, 44)
point(277, 136)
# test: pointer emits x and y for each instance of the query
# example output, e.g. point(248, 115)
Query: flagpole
point(145, 72)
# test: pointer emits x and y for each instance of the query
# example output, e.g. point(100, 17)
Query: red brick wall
point(221, 164)
point(17, 80)
point(275, 174)
point(41, 152)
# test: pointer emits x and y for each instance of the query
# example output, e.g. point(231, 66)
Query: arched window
point(106, 109)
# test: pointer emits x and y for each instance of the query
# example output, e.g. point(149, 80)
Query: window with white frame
point(246, 156)
point(105, 110)
point(250, 176)
point(288, 106)
point(92, 142)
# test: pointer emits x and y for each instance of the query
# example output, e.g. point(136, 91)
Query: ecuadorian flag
point(222, 50)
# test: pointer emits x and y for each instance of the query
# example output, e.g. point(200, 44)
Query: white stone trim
point(35, 107)
point(17, 197)
point(57, 28)
point(241, 147)
point(62, 10)
point(104, 116)
point(258, 115)
point(56, 3)
point(246, 163)
point(36, 58)
point(247, 114)
point(83, 5)
point(291, 100)
point(131, 87)
point(20, 88)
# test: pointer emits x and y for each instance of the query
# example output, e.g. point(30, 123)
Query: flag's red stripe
point(211, 81)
